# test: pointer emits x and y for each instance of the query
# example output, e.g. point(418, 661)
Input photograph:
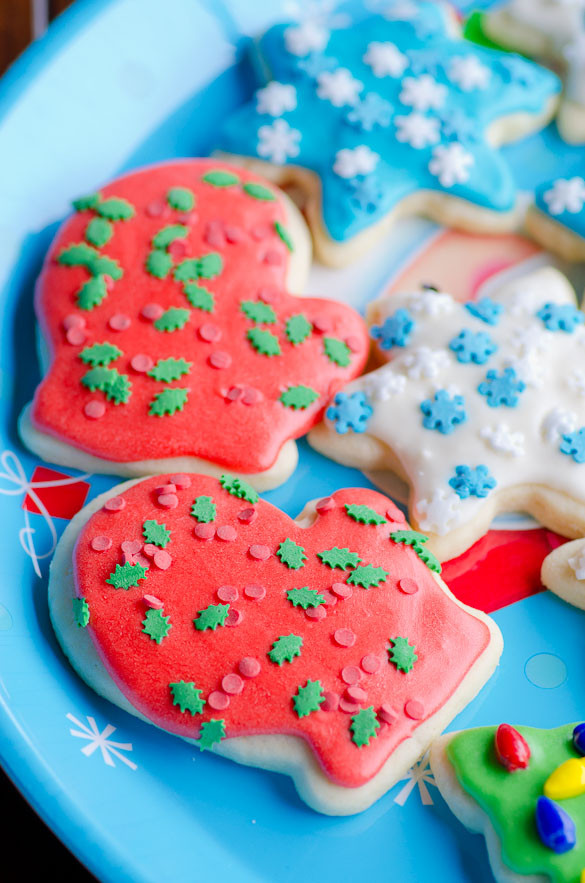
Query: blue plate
point(115, 85)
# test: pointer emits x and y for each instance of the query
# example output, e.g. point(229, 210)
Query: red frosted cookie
point(171, 340)
point(327, 647)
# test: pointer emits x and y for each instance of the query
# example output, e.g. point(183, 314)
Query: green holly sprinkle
point(337, 351)
point(239, 488)
point(285, 648)
point(203, 509)
point(77, 255)
point(117, 387)
point(210, 734)
point(298, 397)
point(98, 378)
point(284, 235)
point(169, 234)
point(367, 576)
point(341, 558)
point(156, 625)
point(258, 191)
point(199, 297)
point(80, 612)
point(211, 617)
point(86, 202)
point(126, 576)
point(220, 178)
point(364, 726)
point(402, 654)
point(416, 541)
point(102, 264)
point(172, 319)
point(169, 401)
point(305, 597)
point(258, 312)
point(206, 267)
point(115, 209)
point(100, 354)
point(158, 263)
point(92, 293)
point(156, 533)
point(291, 554)
point(181, 199)
point(298, 328)
point(98, 232)
point(187, 696)
point(363, 514)
point(308, 698)
point(169, 369)
point(264, 342)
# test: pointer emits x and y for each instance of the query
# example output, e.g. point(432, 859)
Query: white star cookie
point(479, 407)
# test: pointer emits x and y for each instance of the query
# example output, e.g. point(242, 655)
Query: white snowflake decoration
point(381, 385)
point(467, 72)
point(420, 775)
point(440, 513)
point(576, 381)
point(276, 99)
point(566, 195)
point(385, 59)
point(96, 739)
point(529, 367)
point(430, 303)
point(557, 423)
point(425, 362)
point(351, 162)
point(577, 565)
point(417, 130)
point(423, 93)
point(529, 338)
point(451, 164)
point(278, 141)
point(502, 439)
point(305, 38)
point(339, 87)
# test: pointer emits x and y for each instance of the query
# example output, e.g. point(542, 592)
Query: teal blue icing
point(351, 205)
point(563, 200)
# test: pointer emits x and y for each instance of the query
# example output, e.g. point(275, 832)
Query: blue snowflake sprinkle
point(561, 317)
point(501, 389)
point(350, 412)
point(513, 69)
point(395, 331)
point(573, 444)
point(372, 111)
point(317, 64)
point(485, 309)
point(424, 61)
point(457, 126)
point(468, 482)
point(473, 346)
point(444, 412)
point(366, 193)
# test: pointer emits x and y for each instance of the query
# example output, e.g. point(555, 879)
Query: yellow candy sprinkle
point(583, 876)
point(568, 780)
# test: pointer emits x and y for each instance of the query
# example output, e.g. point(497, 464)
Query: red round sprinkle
point(169, 488)
point(317, 613)
point(227, 533)
point(214, 234)
point(150, 549)
point(76, 336)
point(142, 363)
point(132, 547)
point(73, 320)
point(371, 664)
point(162, 560)
point(325, 505)
point(152, 312)
point(344, 637)
point(251, 396)
point(181, 480)
point(329, 598)
point(114, 504)
point(394, 514)
point(387, 714)
point(348, 706)
point(353, 343)
point(233, 234)
point(119, 322)
point(407, 585)
point(247, 516)
point(127, 558)
point(259, 552)
point(331, 701)
point(209, 332)
point(233, 618)
point(414, 709)
point(142, 560)
point(101, 543)
point(512, 749)
point(268, 295)
point(219, 359)
point(273, 258)
point(218, 700)
point(108, 281)
point(188, 218)
point(152, 601)
point(232, 684)
point(204, 531)
point(94, 409)
point(155, 208)
point(321, 324)
point(233, 393)
point(356, 694)
point(260, 232)
point(249, 667)
point(177, 249)
point(351, 674)
point(342, 590)
point(254, 592)
point(168, 501)
point(227, 593)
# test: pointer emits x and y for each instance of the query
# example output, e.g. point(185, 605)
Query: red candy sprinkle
point(351, 674)
point(254, 592)
point(141, 363)
point(317, 613)
point(268, 295)
point(155, 208)
point(342, 590)
point(220, 359)
point(178, 250)
point(251, 396)
point(101, 544)
point(119, 322)
point(94, 409)
point(356, 694)
point(249, 667)
point(227, 533)
point(407, 585)
point(260, 553)
point(260, 232)
point(218, 700)
point(150, 549)
point(247, 516)
point(512, 749)
point(233, 393)
point(152, 601)
point(394, 514)
point(233, 618)
point(188, 218)
point(325, 505)
point(204, 531)
point(114, 504)
point(227, 593)
point(132, 547)
point(127, 558)
point(387, 714)
point(331, 701)
point(76, 336)
point(162, 560)
point(209, 332)
point(169, 488)
point(233, 234)
point(109, 281)
point(329, 598)
point(414, 709)
point(232, 684)
point(142, 560)
point(348, 705)
point(152, 312)
point(181, 480)
point(168, 501)
point(321, 324)
point(273, 258)
point(371, 664)
point(214, 234)
point(353, 343)
point(73, 320)
point(344, 637)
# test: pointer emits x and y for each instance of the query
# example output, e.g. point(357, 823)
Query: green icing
point(402, 654)
point(308, 698)
point(364, 726)
point(416, 541)
point(473, 30)
point(117, 387)
point(168, 234)
point(509, 799)
point(181, 199)
point(206, 267)
point(199, 297)
point(99, 231)
point(220, 178)
point(258, 191)
point(169, 369)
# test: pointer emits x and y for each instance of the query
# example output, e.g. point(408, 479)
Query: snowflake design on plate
point(95, 739)
point(278, 142)
point(418, 778)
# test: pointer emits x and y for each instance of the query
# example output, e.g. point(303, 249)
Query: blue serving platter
point(115, 85)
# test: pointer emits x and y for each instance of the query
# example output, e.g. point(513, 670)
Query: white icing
point(276, 99)
point(385, 59)
point(451, 164)
point(566, 195)
point(423, 93)
point(467, 72)
point(417, 130)
point(278, 141)
point(351, 162)
point(306, 37)
point(339, 87)
point(577, 565)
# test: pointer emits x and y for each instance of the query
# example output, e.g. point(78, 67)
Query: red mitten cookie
point(326, 647)
point(174, 342)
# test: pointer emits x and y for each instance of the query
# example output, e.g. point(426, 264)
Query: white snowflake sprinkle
point(566, 195)
point(576, 381)
point(339, 87)
point(96, 739)
point(385, 59)
point(467, 72)
point(431, 303)
point(381, 385)
point(402, 10)
point(530, 338)
point(557, 423)
point(278, 141)
point(577, 564)
point(423, 93)
point(500, 438)
point(276, 99)
point(351, 162)
point(441, 513)
point(417, 130)
point(451, 164)
point(529, 367)
point(307, 37)
point(425, 362)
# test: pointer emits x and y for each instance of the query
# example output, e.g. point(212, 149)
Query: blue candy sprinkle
point(367, 193)
point(501, 389)
point(473, 346)
point(443, 413)
point(350, 412)
point(457, 126)
point(579, 738)
point(316, 64)
point(372, 111)
point(468, 482)
point(555, 826)
point(485, 309)
point(573, 444)
point(561, 317)
point(395, 331)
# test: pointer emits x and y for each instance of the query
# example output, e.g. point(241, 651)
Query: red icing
point(448, 640)
point(208, 426)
